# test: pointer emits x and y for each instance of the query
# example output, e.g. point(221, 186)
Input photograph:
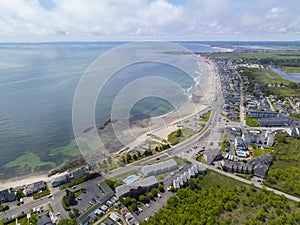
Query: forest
point(215, 199)
point(284, 174)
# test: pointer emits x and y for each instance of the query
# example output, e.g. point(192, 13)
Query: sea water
point(37, 86)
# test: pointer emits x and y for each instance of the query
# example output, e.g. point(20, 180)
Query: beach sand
point(163, 125)
point(21, 181)
point(160, 126)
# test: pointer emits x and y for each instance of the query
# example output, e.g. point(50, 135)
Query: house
point(295, 131)
point(31, 189)
point(282, 121)
point(59, 180)
point(45, 219)
point(193, 171)
point(114, 217)
point(261, 165)
point(78, 173)
point(212, 155)
point(7, 196)
point(147, 184)
point(262, 114)
point(237, 167)
point(269, 138)
point(247, 138)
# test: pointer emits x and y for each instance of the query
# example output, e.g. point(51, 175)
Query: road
point(204, 136)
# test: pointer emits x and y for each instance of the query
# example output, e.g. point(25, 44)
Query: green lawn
point(252, 122)
point(205, 117)
point(291, 69)
point(258, 151)
point(180, 135)
point(42, 194)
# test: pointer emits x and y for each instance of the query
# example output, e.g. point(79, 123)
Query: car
point(57, 214)
point(147, 205)
point(74, 187)
point(50, 196)
point(79, 198)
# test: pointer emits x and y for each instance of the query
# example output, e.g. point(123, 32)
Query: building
point(295, 131)
point(45, 219)
point(106, 193)
point(212, 155)
point(59, 180)
point(282, 121)
point(193, 171)
point(262, 114)
point(239, 144)
point(31, 189)
point(147, 184)
point(269, 138)
point(114, 217)
point(78, 173)
point(159, 168)
point(261, 165)
point(7, 196)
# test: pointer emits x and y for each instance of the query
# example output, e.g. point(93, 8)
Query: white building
point(159, 168)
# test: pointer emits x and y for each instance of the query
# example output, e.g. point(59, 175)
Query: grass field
point(291, 69)
point(252, 122)
point(259, 151)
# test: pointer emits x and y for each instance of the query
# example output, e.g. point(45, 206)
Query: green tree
point(134, 157)
point(161, 188)
point(128, 158)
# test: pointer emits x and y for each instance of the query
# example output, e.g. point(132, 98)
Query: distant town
point(253, 110)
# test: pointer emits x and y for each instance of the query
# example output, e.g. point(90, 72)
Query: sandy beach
point(159, 126)
point(163, 125)
point(20, 181)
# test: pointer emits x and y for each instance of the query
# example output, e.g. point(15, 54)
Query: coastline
point(160, 125)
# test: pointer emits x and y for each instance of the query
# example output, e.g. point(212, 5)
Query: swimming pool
point(130, 178)
point(242, 154)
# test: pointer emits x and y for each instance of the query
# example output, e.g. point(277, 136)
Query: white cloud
point(26, 20)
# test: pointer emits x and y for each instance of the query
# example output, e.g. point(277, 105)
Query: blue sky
point(96, 20)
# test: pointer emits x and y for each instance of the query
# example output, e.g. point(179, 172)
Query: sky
point(104, 20)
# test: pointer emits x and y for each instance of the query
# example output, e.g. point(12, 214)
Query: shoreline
point(160, 124)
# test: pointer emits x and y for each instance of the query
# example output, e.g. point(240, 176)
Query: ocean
point(37, 86)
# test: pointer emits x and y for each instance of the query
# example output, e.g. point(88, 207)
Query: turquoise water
point(130, 179)
point(37, 85)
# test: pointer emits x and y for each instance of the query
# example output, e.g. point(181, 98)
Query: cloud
point(46, 20)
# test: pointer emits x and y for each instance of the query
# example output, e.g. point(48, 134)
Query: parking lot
point(154, 206)
point(87, 198)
